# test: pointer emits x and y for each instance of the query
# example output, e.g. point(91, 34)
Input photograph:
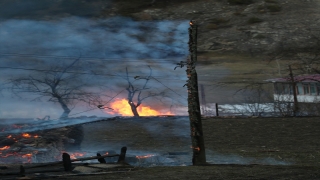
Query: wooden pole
point(101, 160)
point(199, 156)
point(217, 109)
point(295, 99)
point(122, 156)
point(66, 162)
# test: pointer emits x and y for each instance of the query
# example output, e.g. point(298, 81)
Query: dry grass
point(291, 140)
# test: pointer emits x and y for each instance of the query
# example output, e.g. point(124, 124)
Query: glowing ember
point(28, 156)
point(122, 107)
point(145, 156)
point(26, 135)
point(16, 126)
point(4, 148)
point(196, 148)
point(9, 136)
point(76, 154)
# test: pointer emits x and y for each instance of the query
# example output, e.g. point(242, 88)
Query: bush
point(274, 8)
point(238, 14)
point(270, 1)
point(260, 36)
point(218, 21)
point(254, 20)
point(212, 26)
point(240, 1)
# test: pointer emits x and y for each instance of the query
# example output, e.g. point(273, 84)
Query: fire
point(4, 148)
point(16, 126)
point(196, 148)
point(28, 156)
point(36, 136)
point(145, 156)
point(122, 107)
point(26, 135)
point(9, 154)
point(76, 154)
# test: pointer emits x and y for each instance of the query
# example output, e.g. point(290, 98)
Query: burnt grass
point(292, 141)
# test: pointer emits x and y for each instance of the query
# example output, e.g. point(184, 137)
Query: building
point(307, 88)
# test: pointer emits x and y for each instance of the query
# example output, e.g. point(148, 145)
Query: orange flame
point(16, 126)
point(196, 148)
point(76, 154)
point(122, 107)
point(28, 156)
point(145, 156)
point(26, 135)
point(4, 148)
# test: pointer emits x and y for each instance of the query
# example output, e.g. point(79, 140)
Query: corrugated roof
point(302, 78)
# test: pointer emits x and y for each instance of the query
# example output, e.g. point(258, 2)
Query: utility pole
point(295, 99)
point(199, 155)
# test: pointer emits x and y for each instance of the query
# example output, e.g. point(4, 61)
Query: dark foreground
point(236, 148)
point(215, 172)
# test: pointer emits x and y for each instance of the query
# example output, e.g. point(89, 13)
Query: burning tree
point(136, 92)
point(57, 84)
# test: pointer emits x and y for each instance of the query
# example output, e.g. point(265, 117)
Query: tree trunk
point(134, 109)
point(66, 110)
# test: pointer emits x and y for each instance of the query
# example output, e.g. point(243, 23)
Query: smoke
point(104, 46)
point(116, 37)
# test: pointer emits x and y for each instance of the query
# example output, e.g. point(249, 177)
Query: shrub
point(270, 1)
point(218, 21)
point(274, 8)
point(254, 20)
point(260, 36)
point(212, 26)
point(238, 14)
point(240, 1)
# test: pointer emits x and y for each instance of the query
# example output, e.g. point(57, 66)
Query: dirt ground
point(238, 148)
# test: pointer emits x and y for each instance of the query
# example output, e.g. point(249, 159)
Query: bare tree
point(299, 46)
point(138, 94)
point(58, 85)
point(256, 99)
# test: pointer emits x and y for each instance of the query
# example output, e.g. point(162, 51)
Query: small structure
point(307, 88)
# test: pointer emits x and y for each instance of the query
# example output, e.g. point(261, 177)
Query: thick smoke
point(112, 38)
point(105, 48)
